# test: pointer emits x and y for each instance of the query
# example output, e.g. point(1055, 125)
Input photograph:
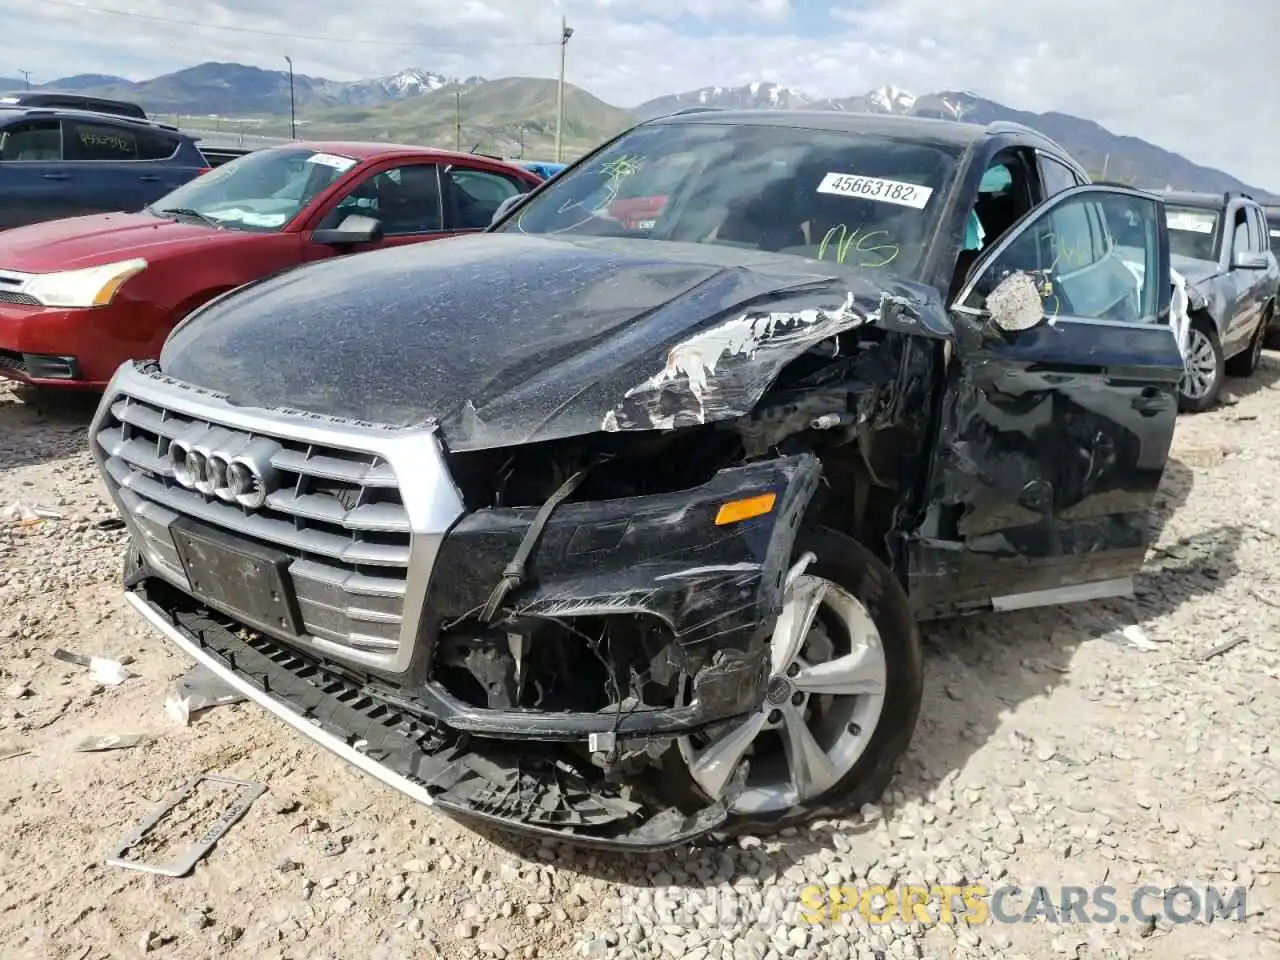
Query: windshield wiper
point(187, 212)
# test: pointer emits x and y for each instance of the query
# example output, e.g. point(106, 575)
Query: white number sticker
point(1192, 222)
point(1275, 233)
point(341, 164)
point(876, 188)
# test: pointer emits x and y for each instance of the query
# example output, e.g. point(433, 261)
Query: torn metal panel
point(566, 331)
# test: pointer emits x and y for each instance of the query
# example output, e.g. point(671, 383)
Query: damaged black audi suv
point(614, 522)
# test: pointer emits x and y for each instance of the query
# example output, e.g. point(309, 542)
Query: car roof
point(1209, 201)
point(14, 110)
point(50, 98)
point(894, 126)
point(361, 150)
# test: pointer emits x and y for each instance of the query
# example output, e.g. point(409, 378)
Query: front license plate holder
point(246, 581)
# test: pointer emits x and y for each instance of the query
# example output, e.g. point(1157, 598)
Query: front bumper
point(588, 772)
point(47, 347)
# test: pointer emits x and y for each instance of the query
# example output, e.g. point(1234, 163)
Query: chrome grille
point(336, 512)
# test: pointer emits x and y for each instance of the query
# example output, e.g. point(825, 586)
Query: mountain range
point(517, 114)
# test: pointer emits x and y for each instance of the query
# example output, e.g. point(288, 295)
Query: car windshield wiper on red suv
point(186, 212)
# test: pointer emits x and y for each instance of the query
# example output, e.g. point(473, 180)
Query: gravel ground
point(1053, 750)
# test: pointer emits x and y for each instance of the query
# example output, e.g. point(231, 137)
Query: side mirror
point(1015, 304)
point(353, 229)
point(506, 207)
point(1248, 260)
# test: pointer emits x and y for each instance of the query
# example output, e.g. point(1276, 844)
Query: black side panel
point(1050, 456)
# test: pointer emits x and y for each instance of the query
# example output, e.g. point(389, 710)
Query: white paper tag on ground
point(1275, 233)
point(876, 188)
point(332, 160)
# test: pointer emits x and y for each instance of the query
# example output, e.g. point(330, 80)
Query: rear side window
point(32, 140)
point(101, 142)
point(1273, 227)
point(155, 146)
point(477, 194)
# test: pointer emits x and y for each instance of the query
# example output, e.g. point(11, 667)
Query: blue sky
point(1165, 70)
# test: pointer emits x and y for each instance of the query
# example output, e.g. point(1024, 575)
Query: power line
point(285, 36)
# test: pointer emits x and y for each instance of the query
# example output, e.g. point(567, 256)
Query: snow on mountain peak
point(892, 99)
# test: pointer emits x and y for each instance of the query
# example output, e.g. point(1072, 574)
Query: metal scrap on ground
point(184, 816)
point(110, 741)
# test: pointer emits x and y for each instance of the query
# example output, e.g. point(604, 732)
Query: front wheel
point(1202, 372)
point(845, 686)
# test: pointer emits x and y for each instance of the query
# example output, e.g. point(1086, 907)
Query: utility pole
point(565, 33)
point(293, 115)
point(1106, 162)
point(26, 74)
point(457, 119)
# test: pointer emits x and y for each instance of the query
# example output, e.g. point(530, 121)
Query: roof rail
point(698, 109)
point(1010, 126)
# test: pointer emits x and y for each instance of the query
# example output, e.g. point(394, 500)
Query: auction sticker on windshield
point(341, 164)
point(876, 188)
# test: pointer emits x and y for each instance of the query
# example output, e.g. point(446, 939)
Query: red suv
point(80, 296)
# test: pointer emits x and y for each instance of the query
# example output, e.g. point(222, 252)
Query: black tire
point(1189, 404)
point(846, 562)
point(1243, 364)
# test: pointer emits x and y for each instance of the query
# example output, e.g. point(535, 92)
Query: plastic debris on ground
point(24, 513)
point(1133, 636)
point(110, 673)
point(199, 690)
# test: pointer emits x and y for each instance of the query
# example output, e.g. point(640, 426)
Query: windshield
point(852, 199)
point(1192, 231)
point(259, 191)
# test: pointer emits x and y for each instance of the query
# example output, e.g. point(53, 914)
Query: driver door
point(1053, 438)
point(406, 198)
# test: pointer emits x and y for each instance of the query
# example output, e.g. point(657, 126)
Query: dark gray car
point(1221, 247)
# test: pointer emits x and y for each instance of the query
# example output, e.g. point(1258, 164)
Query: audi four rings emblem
point(230, 466)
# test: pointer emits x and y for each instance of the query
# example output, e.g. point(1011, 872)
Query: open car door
point(1059, 411)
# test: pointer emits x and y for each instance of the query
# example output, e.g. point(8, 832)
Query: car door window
point(33, 140)
point(100, 142)
point(1056, 177)
point(1240, 237)
point(406, 199)
point(1094, 256)
point(477, 194)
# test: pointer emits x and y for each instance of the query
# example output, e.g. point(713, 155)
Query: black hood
point(505, 338)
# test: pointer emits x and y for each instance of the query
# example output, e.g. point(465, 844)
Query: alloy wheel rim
point(825, 695)
point(1200, 368)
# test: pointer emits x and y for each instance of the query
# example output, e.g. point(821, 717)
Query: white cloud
point(1169, 71)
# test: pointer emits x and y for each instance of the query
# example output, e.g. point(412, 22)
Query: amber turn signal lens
point(736, 510)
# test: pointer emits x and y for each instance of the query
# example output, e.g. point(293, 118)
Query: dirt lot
point(1053, 750)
